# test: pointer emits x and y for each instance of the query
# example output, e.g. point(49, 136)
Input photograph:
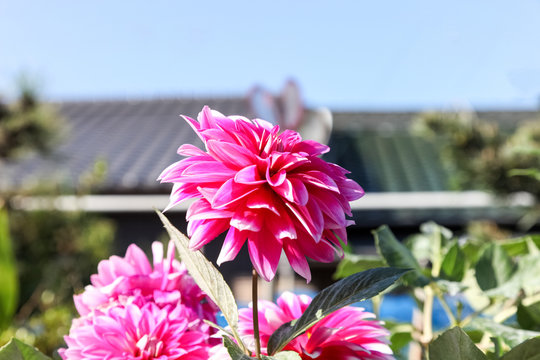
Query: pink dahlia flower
point(348, 333)
point(137, 330)
point(268, 188)
point(166, 283)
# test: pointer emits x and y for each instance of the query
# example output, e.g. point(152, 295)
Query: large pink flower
point(136, 330)
point(134, 310)
point(345, 334)
point(269, 188)
point(167, 282)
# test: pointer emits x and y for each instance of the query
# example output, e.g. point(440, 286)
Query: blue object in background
point(399, 308)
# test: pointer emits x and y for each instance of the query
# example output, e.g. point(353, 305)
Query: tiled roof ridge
point(149, 99)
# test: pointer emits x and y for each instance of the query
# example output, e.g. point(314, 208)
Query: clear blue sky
point(344, 54)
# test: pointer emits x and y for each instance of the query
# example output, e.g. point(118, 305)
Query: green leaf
point(234, 350)
point(206, 276)
point(352, 264)
point(453, 265)
point(526, 278)
point(494, 267)
point(456, 345)
point(401, 335)
point(397, 255)
point(519, 246)
point(286, 355)
point(17, 350)
point(528, 350)
point(9, 284)
point(528, 316)
point(432, 228)
point(354, 288)
point(511, 336)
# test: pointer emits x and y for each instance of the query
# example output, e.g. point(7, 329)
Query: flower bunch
point(268, 188)
point(348, 333)
point(133, 310)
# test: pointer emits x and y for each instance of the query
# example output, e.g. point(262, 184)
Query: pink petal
point(331, 207)
point(233, 156)
point(247, 220)
point(137, 258)
point(281, 226)
point(234, 241)
point(351, 190)
point(249, 176)
point(311, 147)
point(190, 150)
point(299, 214)
point(319, 179)
point(206, 118)
point(231, 192)
point(287, 161)
point(201, 209)
point(262, 199)
point(264, 252)
point(276, 179)
point(297, 260)
point(204, 231)
point(194, 125)
point(209, 171)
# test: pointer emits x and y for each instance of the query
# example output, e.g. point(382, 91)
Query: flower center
point(148, 347)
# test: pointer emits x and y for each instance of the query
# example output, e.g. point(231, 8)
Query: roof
point(136, 139)
point(382, 121)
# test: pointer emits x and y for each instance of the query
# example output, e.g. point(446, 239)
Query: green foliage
point(528, 316)
point(494, 267)
point(397, 255)
point(27, 125)
point(528, 350)
point(454, 263)
point(352, 264)
point(480, 156)
point(499, 279)
point(510, 335)
point(454, 344)
point(469, 147)
point(206, 276)
point(9, 286)
point(351, 289)
point(17, 350)
point(354, 288)
point(57, 252)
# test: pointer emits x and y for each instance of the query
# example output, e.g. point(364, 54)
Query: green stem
point(427, 328)
point(255, 301)
point(466, 320)
point(445, 306)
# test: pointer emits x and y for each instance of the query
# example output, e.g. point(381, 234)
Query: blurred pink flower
point(269, 188)
point(134, 310)
point(137, 330)
point(167, 282)
point(347, 333)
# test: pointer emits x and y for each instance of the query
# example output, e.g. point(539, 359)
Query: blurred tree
point(55, 251)
point(27, 125)
point(480, 156)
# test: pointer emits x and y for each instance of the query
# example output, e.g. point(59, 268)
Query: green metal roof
point(394, 161)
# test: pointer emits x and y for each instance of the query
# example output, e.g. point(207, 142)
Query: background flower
point(134, 310)
point(347, 333)
point(137, 330)
point(268, 188)
point(167, 282)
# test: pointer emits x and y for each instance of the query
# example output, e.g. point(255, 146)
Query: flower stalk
point(255, 300)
